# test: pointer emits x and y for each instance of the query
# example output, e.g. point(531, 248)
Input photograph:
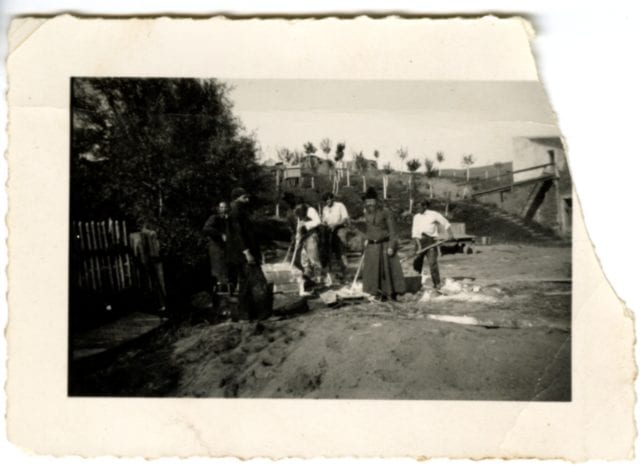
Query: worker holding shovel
point(308, 243)
point(336, 218)
point(425, 233)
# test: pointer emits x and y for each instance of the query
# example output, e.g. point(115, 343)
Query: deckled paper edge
point(581, 221)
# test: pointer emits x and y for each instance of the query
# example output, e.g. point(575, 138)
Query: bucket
point(413, 283)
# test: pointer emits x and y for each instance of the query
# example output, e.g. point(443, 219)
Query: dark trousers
point(255, 297)
point(339, 248)
point(432, 260)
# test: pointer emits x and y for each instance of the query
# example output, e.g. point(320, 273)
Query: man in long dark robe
point(382, 274)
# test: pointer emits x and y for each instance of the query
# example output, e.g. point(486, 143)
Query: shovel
point(355, 279)
point(286, 256)
point(425, 249)
point(295, 252)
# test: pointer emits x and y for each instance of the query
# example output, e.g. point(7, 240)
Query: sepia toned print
point(318, 239)
point(361, 243)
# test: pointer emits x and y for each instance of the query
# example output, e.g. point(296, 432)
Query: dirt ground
point(504, 336)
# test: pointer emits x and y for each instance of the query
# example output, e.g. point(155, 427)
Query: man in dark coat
point(244, 258)
point(382, 274)
point(216, 229)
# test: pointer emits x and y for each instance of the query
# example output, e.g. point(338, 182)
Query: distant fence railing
point(106, 258)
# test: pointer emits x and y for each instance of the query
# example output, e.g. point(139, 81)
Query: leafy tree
point(428, 167)
point(309, 148)
point(413, 165)
point(340, 147)
point(386, 171)
point(360, 162)
point(313, 167)
point(402, 153)
point(361, 165)
point(325, 146)
point(429, 172)
point(467, 162)
point(287, 156)
point(440, 159)
point(339, 156)
point(158, 153)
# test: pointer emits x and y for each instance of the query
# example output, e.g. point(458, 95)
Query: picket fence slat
point(107, 259)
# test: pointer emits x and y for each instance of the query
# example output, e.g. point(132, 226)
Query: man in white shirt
point(425, 231)
point(308, 242)
point(336, 218)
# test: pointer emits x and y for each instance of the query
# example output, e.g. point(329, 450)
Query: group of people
point(318, 240)
point(319, 245)
point(235, 256)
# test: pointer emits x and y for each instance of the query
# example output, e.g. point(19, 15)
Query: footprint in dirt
point(333, 343)
point(388, 375)
point(306, 379)
point(405, 353)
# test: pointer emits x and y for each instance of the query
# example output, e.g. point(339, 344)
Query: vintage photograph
point(326, 239)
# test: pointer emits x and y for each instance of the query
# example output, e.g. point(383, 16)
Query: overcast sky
point(457, 118)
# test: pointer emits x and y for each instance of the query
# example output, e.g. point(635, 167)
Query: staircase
point(536, 198)
point(536, 231)
point(502, 226)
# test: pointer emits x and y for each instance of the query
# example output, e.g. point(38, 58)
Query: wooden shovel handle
point(355, 279)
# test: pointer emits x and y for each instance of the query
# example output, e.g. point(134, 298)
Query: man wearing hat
point(382, 274)
point(244, 257)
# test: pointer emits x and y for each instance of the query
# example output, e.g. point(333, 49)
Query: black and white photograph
point(316, 237)
point(319, 239)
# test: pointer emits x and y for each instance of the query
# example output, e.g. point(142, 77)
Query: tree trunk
point(313, 182)
point(364, 184)
point(467, 173)
point(277, 192)
point(411, 193)
point(348, 177)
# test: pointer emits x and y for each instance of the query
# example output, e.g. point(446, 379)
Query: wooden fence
point(106, 258)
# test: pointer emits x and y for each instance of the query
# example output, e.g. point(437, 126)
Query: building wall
point(555, 210)
point(529, 152)
point(511, 200)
